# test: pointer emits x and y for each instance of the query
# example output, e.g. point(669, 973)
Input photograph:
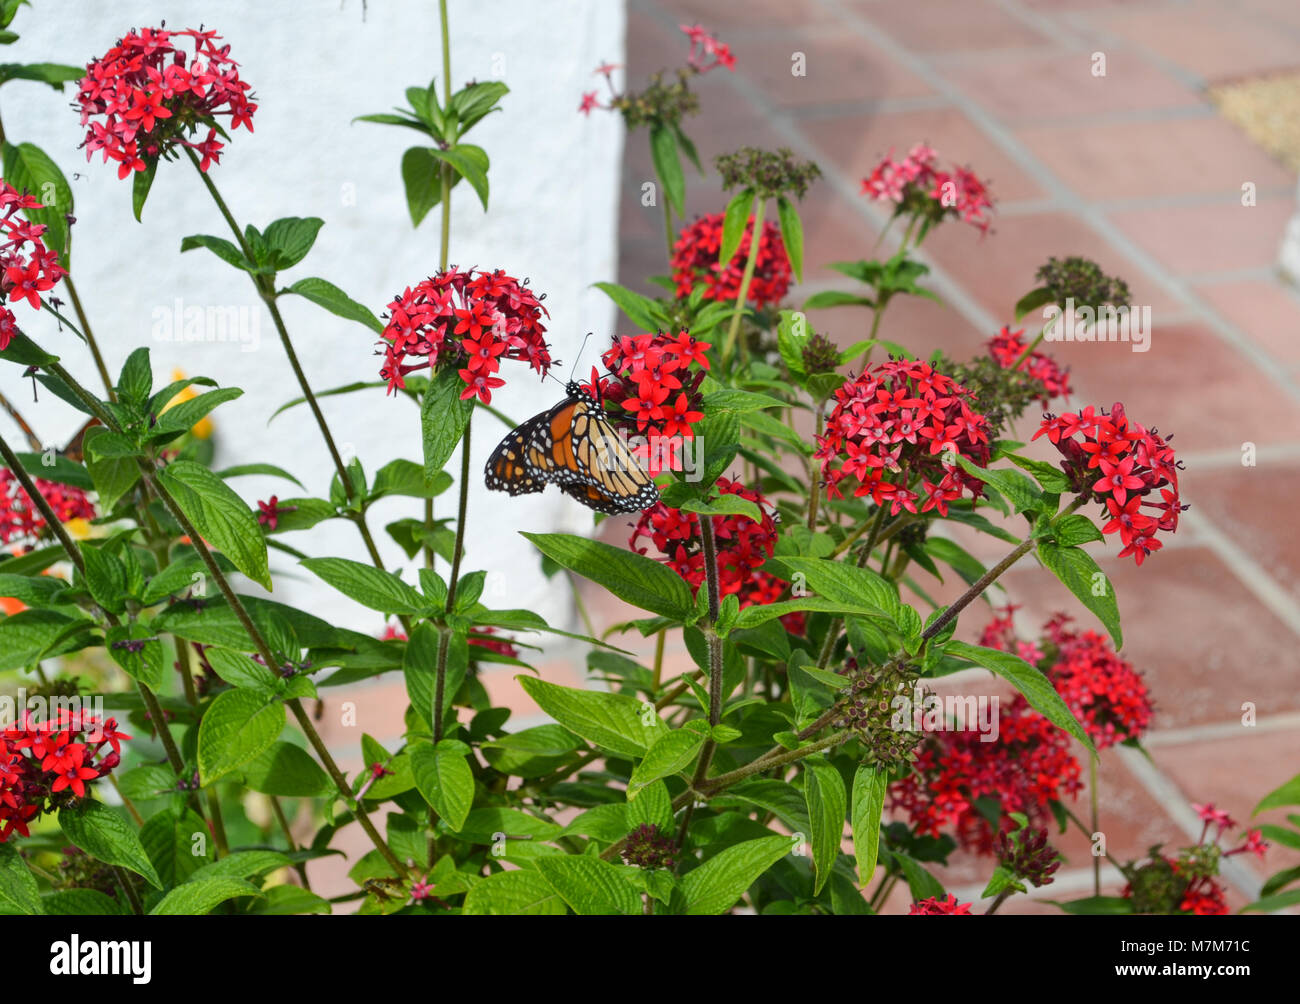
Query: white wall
point(314, 65)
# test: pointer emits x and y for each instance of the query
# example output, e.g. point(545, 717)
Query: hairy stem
point(746, 278)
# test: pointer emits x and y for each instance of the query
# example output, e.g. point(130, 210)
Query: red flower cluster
point(1007, 346)
point(471, 320)
point(742, 547)
point(906, 420)
point(695, 259)
point(935, 907)
point(654, 386)
point(704, 45)
point(1105, 692)
point(1122, 464)
point(916, 185)
point(146, 96)
point(24, 274)
point(21, 520)
point(39, 762)
point(1027, 766)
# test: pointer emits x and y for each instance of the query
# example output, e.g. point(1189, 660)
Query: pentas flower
point(707, 53)
point(900, 422)
point(468, 320)
point(918, 188)
point(1132, 471)
point(21, 521)
point(1105, 692)
point(652, 393)
point(742, 548)
point(45, 766)
point(1188, 883)
point(27, 267)
point(695, 261)
point(1007, 346)
point(147, 96)
point(487, 638)
point(1025, 768)
point(935, 907)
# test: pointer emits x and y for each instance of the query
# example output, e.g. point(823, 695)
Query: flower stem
point(755, 239)
point(90, 337)
point(132, 897)
point(236, 606)
point(668, 224)
point(283, 821)
point(758, 766)
point(444, 642)
point(1096, 821)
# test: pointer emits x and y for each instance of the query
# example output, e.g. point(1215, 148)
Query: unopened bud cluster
point(867, 709)
point(1027, 854)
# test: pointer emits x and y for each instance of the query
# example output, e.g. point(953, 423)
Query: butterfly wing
point(576, 447)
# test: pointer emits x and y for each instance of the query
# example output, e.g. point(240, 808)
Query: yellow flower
point(79, 528)
point(203, 427)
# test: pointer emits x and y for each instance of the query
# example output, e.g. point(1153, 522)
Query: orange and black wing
point(536, 454)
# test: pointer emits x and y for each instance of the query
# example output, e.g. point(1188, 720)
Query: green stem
point(746, 278)
point(444, 641)
point(90, 337)
point(877, 312)
point(283, 821)
point(657, 676)
point(218, 824)
point(1096, 821)
point(132, 897)
point(715, 784)
point(669, 236)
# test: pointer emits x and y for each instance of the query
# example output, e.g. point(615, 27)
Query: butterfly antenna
point(573, 369)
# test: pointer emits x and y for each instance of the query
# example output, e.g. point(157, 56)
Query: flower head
point(935, 907)
point(147, 96)
point(1008, 346)
point(695, 261)
point(918, 188)
point(468, 320)
point(27, 267)
point(899, 421)
point(22, 521)
point(1131, 470)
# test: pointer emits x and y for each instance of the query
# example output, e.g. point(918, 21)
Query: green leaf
point(614, 722)
point(1269, 904)
point(31, 634)
point(237, 727)
point(668, 166)
point(55, 467)
point(1286, 794)
point(920, 882)
point(241, 470)
point(444, 779)
point(185, 415)
point(1049, 477)
point(724, 505)
point(827, 803)
point(640, 310)
point(105, 835)
point(19, 892)
point(83, 903)
point(1032, 300)
point(670, 754)
point(200, 896)
point(1080, 574)
point(472, 102)
point(327, 295)
point(286, 900)
point(405, 477)
point(378, 590)
point(290, 239)
point(136, 380)
point(844, 583)
point(443, 418)
point(421, 176)
point(22, 351)
point(219, 246)
point(516, 893)
point(639, 580)
point(869, 786)
point(112, 478)
point(791, 234)
point(287, 770)
point(242, 865)
point(714, 886)
point(239, 670)
point(221, 516)
point(105, 578)
point(145, 665)
point(471, 163)
point(834, 298)
point(1036, 687)
point(1018, 489)
point(1072, 530)
point(590, 886)
point(734, 221)
point(1096, 905)
point(34, 590)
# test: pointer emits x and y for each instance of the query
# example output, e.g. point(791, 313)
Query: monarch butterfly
point(575, 446)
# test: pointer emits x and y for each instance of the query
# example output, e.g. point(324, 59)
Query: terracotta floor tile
point(1243, 502)
point(1034, 87)
point(855, 144)
point(1267, 311)
point(1204, 641)
point(1179, 236)
point(945, 26)
point(1136, 159)
point(1208, 39)
point(838, 67)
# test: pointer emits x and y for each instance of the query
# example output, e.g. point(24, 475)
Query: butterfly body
point(575, 446)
